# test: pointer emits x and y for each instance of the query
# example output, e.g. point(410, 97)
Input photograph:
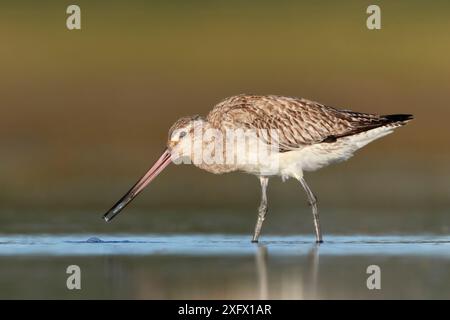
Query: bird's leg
point(262, 211)
point(313, 202)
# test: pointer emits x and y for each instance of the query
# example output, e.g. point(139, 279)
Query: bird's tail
point(383, 126)
point(397, 118)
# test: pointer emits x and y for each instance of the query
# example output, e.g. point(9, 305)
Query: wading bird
point(309, 136)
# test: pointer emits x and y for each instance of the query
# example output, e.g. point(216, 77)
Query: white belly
point(311, 158)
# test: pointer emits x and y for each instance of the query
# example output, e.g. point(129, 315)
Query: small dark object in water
point(94, 240)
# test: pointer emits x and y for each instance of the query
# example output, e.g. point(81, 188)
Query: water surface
point(221, 245)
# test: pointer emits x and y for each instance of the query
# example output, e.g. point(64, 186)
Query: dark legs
point(262, 211)
point(313, 202)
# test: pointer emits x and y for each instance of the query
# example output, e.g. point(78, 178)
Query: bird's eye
point(182, 134)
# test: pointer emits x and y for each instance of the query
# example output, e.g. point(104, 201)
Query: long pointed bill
point(151, 174)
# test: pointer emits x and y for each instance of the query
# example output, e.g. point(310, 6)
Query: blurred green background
point(85, 113)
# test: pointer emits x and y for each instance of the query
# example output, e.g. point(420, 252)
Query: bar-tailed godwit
point(306, 135)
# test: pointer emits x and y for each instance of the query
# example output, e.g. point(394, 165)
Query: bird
point(302, 135)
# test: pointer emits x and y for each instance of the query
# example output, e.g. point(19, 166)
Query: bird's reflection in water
point(278, 276)
point(261, 270)
point(313, 259)
point(303, 281)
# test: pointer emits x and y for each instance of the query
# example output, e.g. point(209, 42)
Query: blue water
point(220, 245)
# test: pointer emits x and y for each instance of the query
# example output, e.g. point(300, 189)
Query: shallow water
point(223, 266)
point(221, 245)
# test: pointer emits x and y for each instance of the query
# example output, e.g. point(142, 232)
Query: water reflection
point(314, 256)
point(261, 270)
point(302, 282)
point(118, 276)
point(224, 267)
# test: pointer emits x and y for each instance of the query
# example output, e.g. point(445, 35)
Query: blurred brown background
point(85, 113)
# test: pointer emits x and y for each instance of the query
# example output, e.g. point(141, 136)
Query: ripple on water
point(94, 240)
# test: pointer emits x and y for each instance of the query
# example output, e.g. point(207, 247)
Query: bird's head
point(179, 147)
point(182, 135)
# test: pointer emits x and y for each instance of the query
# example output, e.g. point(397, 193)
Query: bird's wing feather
point(298, 122)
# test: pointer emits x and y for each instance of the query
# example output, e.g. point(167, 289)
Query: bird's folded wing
point(296, 122)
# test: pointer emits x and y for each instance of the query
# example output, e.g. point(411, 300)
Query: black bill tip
point(114, 211)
